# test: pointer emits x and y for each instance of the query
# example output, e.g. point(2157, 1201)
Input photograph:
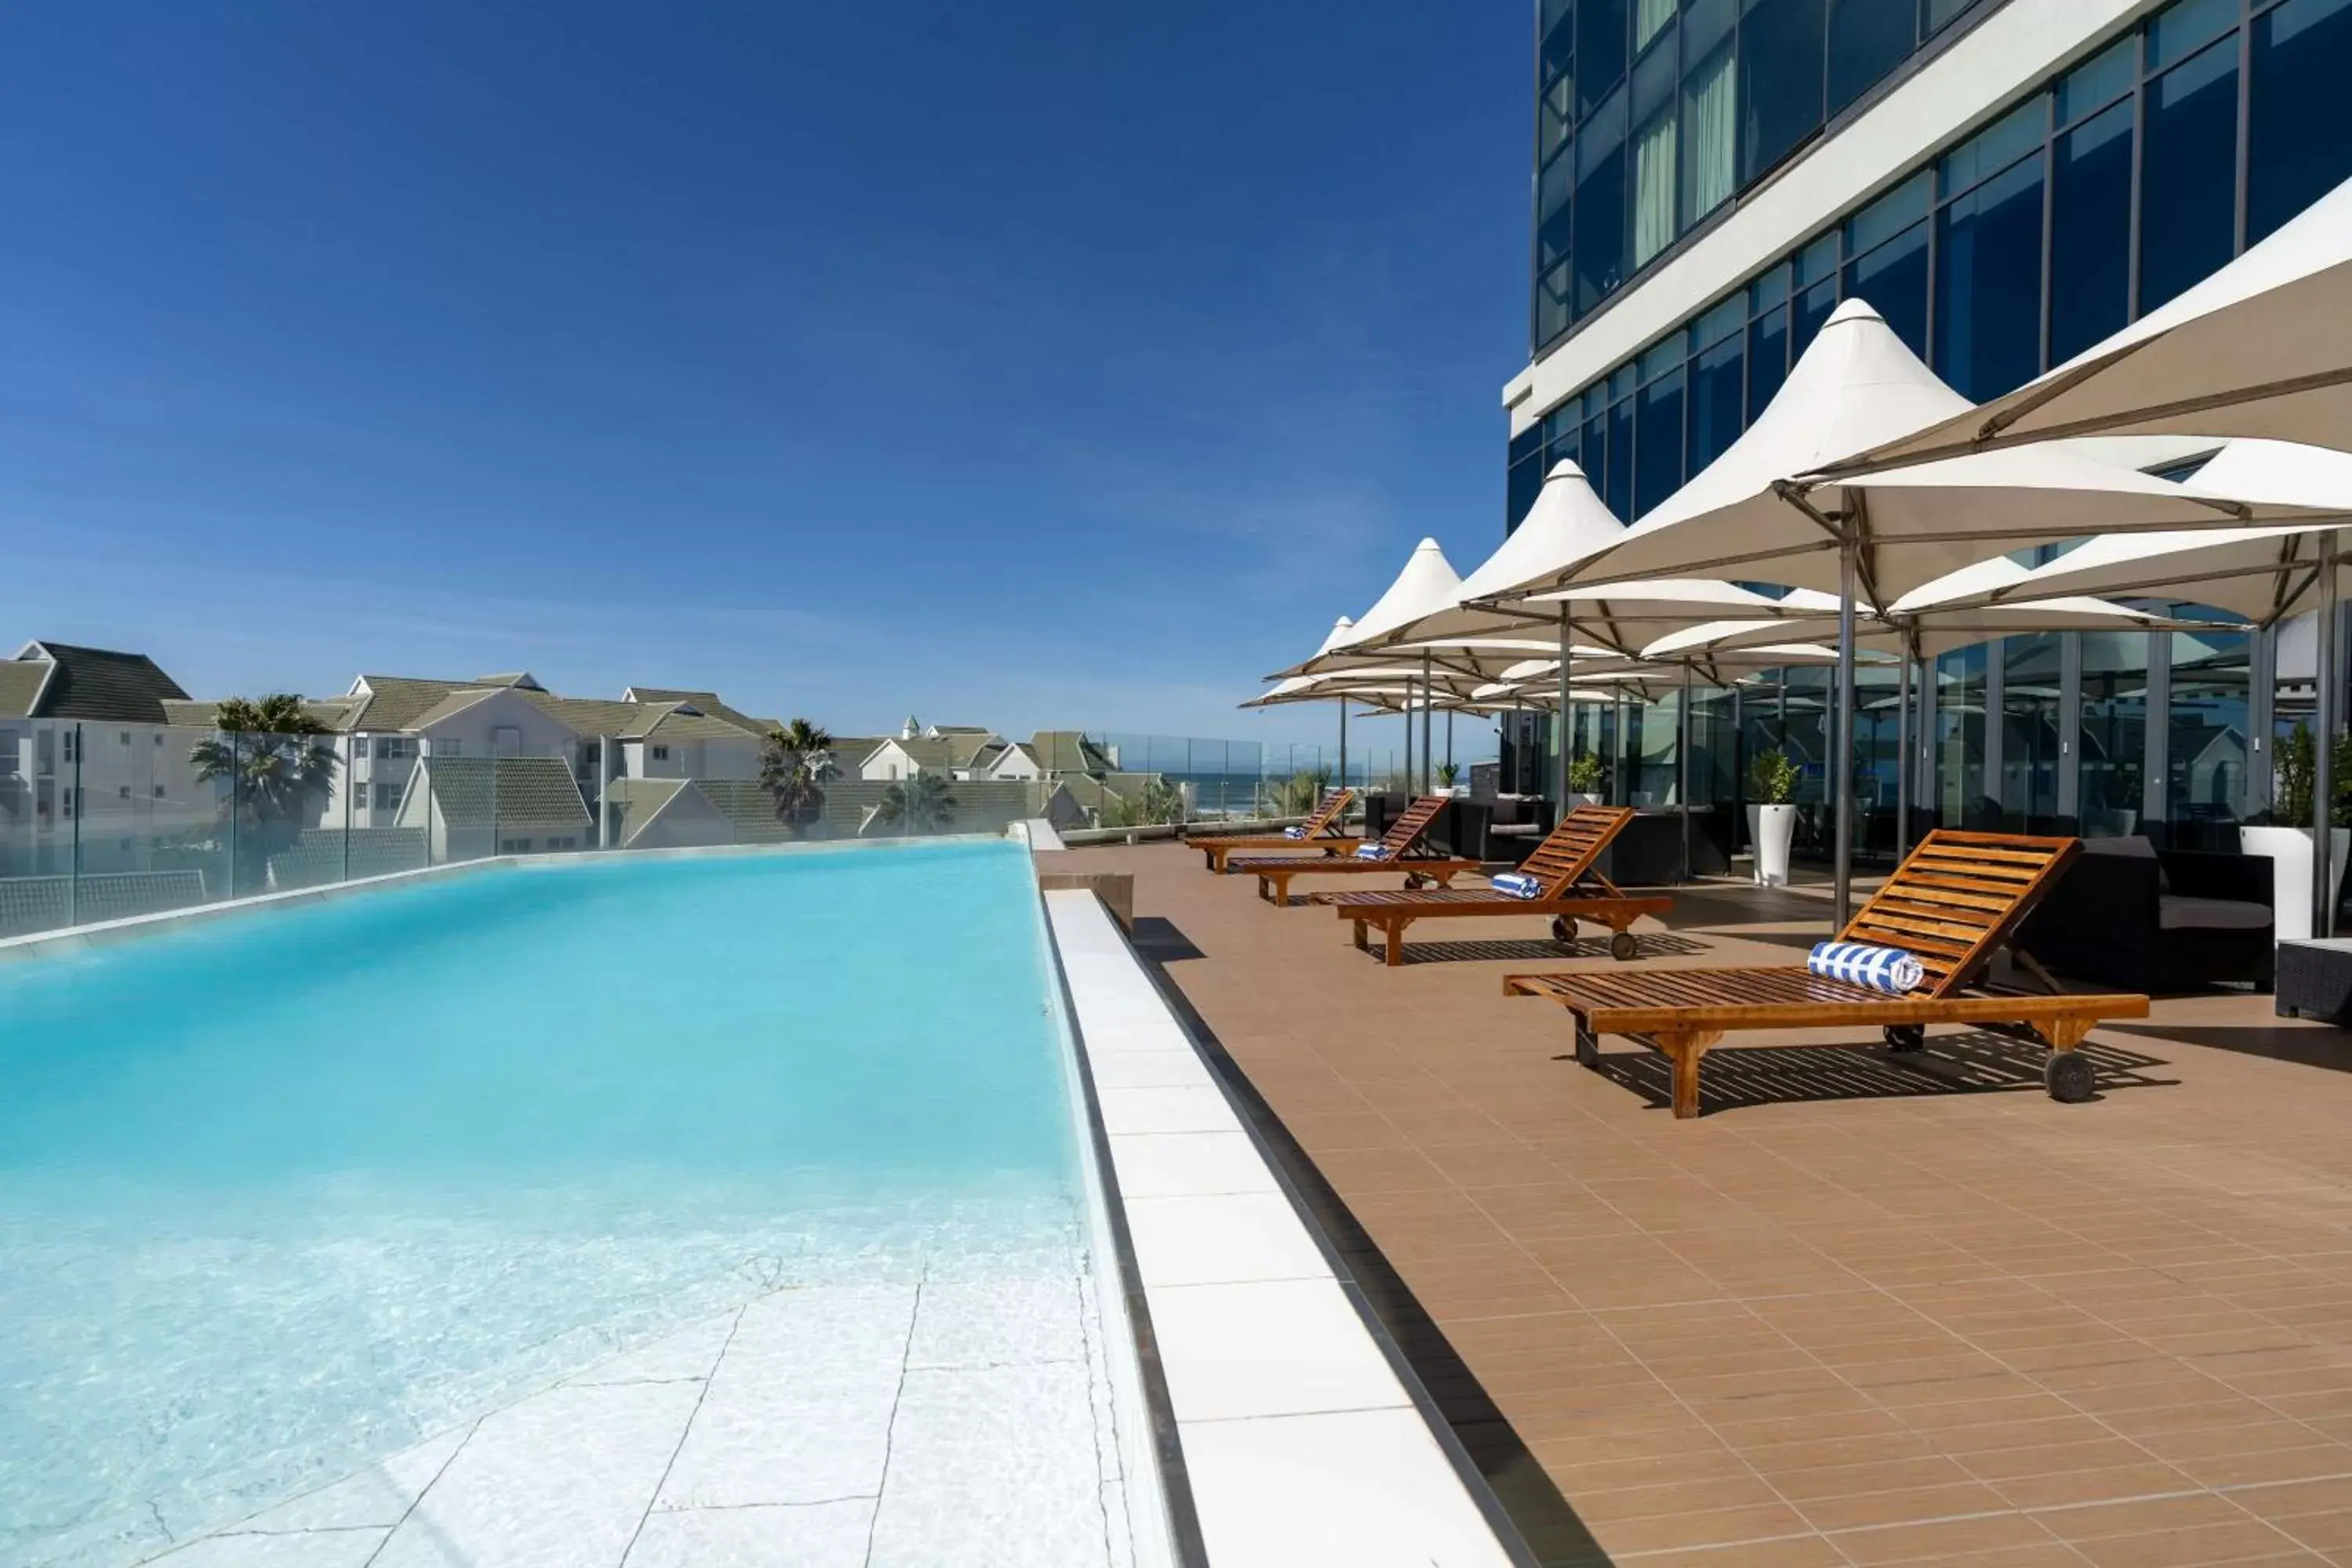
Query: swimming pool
point(285, 1194)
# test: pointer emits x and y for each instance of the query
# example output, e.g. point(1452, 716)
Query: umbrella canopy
point(1752, 511)
point(1567, 523)
point(2262, 573)
point(2262, 347)
point(1925, 624)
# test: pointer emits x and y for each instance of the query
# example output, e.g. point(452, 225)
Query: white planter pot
point(1771, 829)
point(2289, 849)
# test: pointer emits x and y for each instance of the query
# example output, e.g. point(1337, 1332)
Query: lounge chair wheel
point(1563, 930)
point(2070, 1077)
point(1624, 947)
point(1588, 1049)
point(1905, 1036)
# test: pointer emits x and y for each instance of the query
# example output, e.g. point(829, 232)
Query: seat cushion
point(2176, 911)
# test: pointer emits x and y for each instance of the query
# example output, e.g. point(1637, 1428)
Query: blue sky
point(1065, 362)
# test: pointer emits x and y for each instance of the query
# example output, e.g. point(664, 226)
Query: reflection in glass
point(1659, 445)
point(1715, 401)
point(1867, 39)
point(2189, 182)
point(2090, 232)
point(2113, 744)
point(1989, 285)
point(1894, 279)
point(1781, 80)
point(2029, 734)
point(1960, 738)
point(2301, 59)
point(2208, 757)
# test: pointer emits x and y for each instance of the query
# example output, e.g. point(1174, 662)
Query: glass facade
point(2094, 198)
point(1651, 114)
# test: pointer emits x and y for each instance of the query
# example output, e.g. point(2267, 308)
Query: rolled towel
point(1294, 833)
point(1372, 851)
point(1517, 885)
point(1887, 969)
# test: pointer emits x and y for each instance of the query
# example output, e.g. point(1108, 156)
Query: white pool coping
point(1301, 1442)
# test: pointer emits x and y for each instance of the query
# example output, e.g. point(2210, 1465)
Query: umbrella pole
point(1426, 717)
point(1343, 743)
point(2323, 793)
point(1561, 725)
point(1903, 762)
point(1682, 766)
point(1842, 753)
point(1408, 735)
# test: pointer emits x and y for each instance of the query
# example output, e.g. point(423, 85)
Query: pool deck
point(1858, 1313)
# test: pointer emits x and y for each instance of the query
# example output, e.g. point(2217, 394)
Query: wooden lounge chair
point(1274, 871)
point(1572, 890)
point(1322, 836)
point(1957, 898)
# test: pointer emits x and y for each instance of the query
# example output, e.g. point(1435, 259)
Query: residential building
point(85, 768)
point(2007, 182)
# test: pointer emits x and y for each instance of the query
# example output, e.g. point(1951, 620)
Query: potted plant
point(1772, 820)
point(1584, 781)
point(1446, 773)
point(2286, 837)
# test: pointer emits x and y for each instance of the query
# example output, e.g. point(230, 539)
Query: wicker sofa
point(2129, 915)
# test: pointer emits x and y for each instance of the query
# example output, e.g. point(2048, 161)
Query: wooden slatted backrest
point(1567, 852)
point(1413, 823)
point(1329, 811)
point(1957, 899)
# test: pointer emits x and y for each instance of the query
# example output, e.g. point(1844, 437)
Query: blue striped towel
point(1372, 851)
point(1517, 885)
point(1294, 833)
point(1887, 969)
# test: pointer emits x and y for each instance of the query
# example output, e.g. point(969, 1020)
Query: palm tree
point(795, 765)
point(266, 750)
point(919, 804)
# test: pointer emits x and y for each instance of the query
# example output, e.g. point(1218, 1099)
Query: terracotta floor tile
point(1897, 1308)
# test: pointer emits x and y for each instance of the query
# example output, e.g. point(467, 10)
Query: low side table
point(2314, 979)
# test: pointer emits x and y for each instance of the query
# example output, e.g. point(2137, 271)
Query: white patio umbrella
point(1755, 511)
point(1919, 629)
point(1567, 523)
point(1426, 582)
point(2262, 347)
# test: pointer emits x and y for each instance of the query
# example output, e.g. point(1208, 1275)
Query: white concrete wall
point(2011, 51)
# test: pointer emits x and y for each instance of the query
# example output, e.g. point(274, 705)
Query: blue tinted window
point(1767, 358)
point(1704, 23)
point(1996, 147)
point(1867, 38)
point(1818, 261)
point(1894, 279)
point(1658, 450)
point(1620, 493)
point(2099, 81)
point(1526, 481)
point(1725, 321)
point(1600, 207)
point(1554, 117)
point(2188, 177)
point(1553, 188)
point(1989, 285)
point(2300, 150)
point(1660, 358)
point(1767, 289)
point(2179, 32)
point(1599, 49)
point(2090, 232)
point(1779, 79)
point(1595, 461)
point(1897, 210)
point(1552, 302)
point(1715, 401)
point(1812, 310)
point(1935, 14)
point(1528, 444)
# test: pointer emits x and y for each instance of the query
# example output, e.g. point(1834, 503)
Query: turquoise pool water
point(282, 1193)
